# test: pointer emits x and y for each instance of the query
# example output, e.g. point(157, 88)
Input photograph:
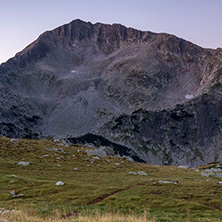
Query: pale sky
point(22, 21)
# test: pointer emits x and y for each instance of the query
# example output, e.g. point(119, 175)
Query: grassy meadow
point(99, 189)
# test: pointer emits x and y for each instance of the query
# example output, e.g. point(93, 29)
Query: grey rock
point(128, 158)
point(204, 174)
point(23, 163)
point(62, 144)
point(133, 173)
point(14, 194)
point(217, 175)
point(109, 151)
point(75, 169)
point(97, 152)
point(14, 141)
point(211, 172)
point(59, 183)
point(96, 157)
point(183, 167)
point(13, 176)
point(165, 182)
point(56, 150)
point(142, 173)
point(46, 155)
point(216, 170)
point(175, 182)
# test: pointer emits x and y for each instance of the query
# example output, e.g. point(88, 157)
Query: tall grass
point(96, 216)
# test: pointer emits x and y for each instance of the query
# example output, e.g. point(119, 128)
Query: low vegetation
point(82, 217)
point(98, 189)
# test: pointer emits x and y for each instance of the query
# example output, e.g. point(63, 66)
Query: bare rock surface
point(154, 97)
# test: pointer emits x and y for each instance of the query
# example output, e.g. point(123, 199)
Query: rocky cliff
point(155, 94)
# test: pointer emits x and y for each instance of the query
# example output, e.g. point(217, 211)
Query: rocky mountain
point(154, 94)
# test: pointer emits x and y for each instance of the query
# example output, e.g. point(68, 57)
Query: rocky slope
point(155, 94)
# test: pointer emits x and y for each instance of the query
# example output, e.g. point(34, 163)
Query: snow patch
point(189, 96)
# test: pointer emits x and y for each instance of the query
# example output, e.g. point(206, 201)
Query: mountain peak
point(154, 94)
point(104, 37)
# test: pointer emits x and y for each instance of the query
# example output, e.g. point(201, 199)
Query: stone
point(216, 170)
point(165, 182)
point(75, 168)
point(204, 174)
point(109, 151)
point(14, 141)
point(59, 183)
point(117, 164)
point(56, 150)
point(175, 182)
point(13, 176)
point(217, 175)
point(128, 158)
point(133, 173)
point(14, 194)
point(183, 167)
point(62, 144)
point(97, 152)
point(44, 156)
point(23, 163)
point(96, 157)
point(142, 173)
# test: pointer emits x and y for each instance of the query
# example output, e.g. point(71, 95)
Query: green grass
point(102, 185)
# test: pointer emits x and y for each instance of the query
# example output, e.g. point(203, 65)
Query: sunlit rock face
point(155, 94)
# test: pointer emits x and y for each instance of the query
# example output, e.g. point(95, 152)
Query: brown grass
point(22, 216)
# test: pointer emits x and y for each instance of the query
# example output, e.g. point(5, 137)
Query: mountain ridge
point(116, 82)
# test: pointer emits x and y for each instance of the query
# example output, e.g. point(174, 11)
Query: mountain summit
point(156, 95)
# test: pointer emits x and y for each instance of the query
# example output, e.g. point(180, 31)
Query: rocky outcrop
point(156, 95)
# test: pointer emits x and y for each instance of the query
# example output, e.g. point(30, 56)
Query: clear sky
point(22, 21)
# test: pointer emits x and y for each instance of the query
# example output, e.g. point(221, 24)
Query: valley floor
point(92, 188)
